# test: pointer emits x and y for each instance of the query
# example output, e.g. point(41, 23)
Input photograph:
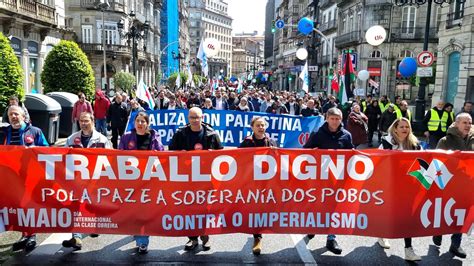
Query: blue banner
point(233, 126)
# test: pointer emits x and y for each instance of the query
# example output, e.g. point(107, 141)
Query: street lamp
point(420, 100)
point(135, 32)
point(103, 5)
point(178, 57)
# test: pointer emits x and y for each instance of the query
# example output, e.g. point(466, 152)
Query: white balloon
point(376, 35)
point(211, 47)
point(363, 75)
point(302, 54)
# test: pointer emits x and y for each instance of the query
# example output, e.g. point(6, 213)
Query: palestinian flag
point(418, 170)
point(346, 79)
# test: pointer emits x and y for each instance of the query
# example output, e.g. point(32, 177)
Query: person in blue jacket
point(331, 135)
point(21, 133)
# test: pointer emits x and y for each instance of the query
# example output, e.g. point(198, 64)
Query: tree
point(67, 68)
point(11, 74)
point(124, 81)
point(172, 79)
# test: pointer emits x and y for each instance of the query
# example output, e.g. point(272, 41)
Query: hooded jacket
point(97, 140)
point(101, 105)
point(454, 141)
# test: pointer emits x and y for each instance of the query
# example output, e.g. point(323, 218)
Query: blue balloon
point(305, 25)
point(407, 67)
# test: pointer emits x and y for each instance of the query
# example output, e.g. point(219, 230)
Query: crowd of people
point(346, 126)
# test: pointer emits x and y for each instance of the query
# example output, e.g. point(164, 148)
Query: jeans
point(142, 240)
point(101, 126)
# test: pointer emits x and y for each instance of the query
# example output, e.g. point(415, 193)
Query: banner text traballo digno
point(223, 167)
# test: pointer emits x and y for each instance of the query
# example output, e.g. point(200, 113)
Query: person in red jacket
point(101, 106)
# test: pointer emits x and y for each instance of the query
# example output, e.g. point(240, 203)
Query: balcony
point(28, 10)
point(327, 26)
point(116, 5)
point(413, 33)
point(454, 19)
point(378, 2)
point(347, 39)
point(325, 3)
point(98, 48)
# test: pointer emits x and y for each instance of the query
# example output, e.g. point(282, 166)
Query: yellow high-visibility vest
point(383, 107)
point(399, 114)
point(435, 121)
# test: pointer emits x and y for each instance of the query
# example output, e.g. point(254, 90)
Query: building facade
point(170, 38)
point(184, 37)
point(210, 19)
point(455, 55)
point(405, 28)
point(33, 27)
point(251, 61)
point(85, 18)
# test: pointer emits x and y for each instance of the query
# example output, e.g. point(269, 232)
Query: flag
point(201, 55)
point(144, 94)
point(305, 77)
point(239, 87)
point(334, 82)
point(418, 170)
point(178, 81)
point(438, 172)
point(190, 81)
point(346, 79)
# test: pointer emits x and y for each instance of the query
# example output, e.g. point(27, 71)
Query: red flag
point(334, 83)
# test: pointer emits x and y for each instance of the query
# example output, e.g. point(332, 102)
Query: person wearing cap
point(387, 119)
point(436, 122)
point(86, 137)
point(21, 133)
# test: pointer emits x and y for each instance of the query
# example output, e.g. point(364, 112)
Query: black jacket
point(249, 142)
point(117, 115)
point(325, 139)
point(386, 120)
point(297, 108)
point(309, 112)
point(182, 141)
point(374, 114)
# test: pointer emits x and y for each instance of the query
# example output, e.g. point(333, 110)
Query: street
point(234, 249)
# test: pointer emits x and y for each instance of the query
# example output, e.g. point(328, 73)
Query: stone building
point(33, 28)
point(85, 18)
point(252, 59)
point(210, 19)
point(455, 54)
point(405, 28)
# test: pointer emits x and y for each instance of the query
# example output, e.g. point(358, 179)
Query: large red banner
point(380, 193)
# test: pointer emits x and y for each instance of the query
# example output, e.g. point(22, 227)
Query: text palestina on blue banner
point(233, 126)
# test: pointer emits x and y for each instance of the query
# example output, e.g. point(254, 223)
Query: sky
point(247, 15)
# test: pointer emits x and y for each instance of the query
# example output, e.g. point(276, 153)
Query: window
point(458, 9)
point(111, 33)
point(86, 33)
point(406, 53)
point(376, 54)
point(408, 19)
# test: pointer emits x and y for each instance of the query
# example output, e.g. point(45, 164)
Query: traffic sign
point(280, 24)
point(312, 68)
point(425, 59)
point(424, 72)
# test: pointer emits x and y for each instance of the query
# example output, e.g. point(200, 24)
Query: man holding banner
point(22, 134)
point(331, 135)
point(460, 136)
point(87, 137)
point(197, 135)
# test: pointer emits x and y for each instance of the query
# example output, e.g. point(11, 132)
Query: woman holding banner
point(258, 139)
point(141, 138)
point(400, 137)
